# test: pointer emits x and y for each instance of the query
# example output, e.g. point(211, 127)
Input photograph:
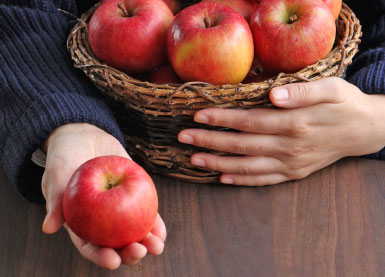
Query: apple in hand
point(174, 5)
point(244, 7)
point(111, 202)
point(292, 34)
point(164, 74)
point(334, 6)
point(130, 35)
point(210, 42)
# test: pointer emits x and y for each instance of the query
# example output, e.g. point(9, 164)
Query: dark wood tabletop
point(331, 223)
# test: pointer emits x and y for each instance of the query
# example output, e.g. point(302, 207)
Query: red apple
point(244, 7)
point(164, 75)
point(334, 6)
point(111, 202)
point(130, 34)
point(292, 34)
point(210, 42)
point(174, 5)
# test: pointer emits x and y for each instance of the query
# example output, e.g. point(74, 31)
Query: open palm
point(68, 147)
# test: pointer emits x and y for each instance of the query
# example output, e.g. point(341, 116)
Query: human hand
point(322, 121)
point(68, 147)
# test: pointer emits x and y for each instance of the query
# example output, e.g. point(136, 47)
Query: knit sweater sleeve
point(39, 88)
point(367, 71)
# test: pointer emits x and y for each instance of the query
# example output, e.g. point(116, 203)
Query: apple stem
point(207, 22)
point(123, 8)
point(293, 18)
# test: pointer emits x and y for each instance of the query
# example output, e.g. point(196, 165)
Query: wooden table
point(332, 223)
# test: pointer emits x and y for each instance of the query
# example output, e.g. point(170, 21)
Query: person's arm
point(42, 97)
point(367, 71)
point(39, 88)
point(320, 123)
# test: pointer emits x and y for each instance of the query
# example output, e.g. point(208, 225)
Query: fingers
point(153, 244)
point(237, 143)
point(104, 257)
point(54, 218)
point(54, 197)
point(297, 95)
point(241, 165)
point(262, 121)
point(133, 253)
point(259, 180)
point(159, 228)
point(244, 170)
point(109, 258)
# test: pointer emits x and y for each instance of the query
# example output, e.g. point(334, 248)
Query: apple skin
point(110, 217)
point(334, 6)
point(244, 7)
point(174, 5)
point(211, 43)
point(164, 74)
point(281, 46)
point(135, 43)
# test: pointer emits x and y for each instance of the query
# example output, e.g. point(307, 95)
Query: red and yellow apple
point(244, 7)
point(130, 35)
point(164, 74)
point(290, 35)
point(210, 42)
point(111, 202)
point(334, 6)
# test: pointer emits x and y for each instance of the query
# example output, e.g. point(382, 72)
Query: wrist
point(71, 128)
point(379, 116)
point(375, 127)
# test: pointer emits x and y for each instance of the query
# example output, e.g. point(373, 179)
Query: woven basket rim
point(152, 115)
point(188, 97)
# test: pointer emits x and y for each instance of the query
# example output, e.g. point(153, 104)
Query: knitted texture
point(39, 88)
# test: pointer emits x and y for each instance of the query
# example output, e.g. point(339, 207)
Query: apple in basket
point(290, 35)
point(174, 5)
point(334, 6)
point(130, 35)
point(211, 43)
point(111, 202)
point(244, 7)
point(164, 75)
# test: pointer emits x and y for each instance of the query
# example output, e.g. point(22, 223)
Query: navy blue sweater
point(40, 90)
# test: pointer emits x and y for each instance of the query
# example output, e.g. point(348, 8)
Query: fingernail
point(227, 180)
point(280, 94)
point(186, 139)
point(198, 162)
point(201, 118)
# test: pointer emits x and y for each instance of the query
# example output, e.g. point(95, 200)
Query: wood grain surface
point(329, 224)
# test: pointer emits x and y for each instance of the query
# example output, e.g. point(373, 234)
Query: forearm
point(40, 90)
point(378, 125)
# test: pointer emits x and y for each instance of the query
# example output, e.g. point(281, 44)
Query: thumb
point(54, 199)
point(299, 95)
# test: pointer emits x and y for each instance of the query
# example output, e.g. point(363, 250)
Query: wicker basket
point(152, 115)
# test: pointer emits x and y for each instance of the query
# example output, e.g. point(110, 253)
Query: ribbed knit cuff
point(379, 155)
point(38, 121)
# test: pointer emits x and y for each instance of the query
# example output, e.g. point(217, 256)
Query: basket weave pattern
point(152, 115)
